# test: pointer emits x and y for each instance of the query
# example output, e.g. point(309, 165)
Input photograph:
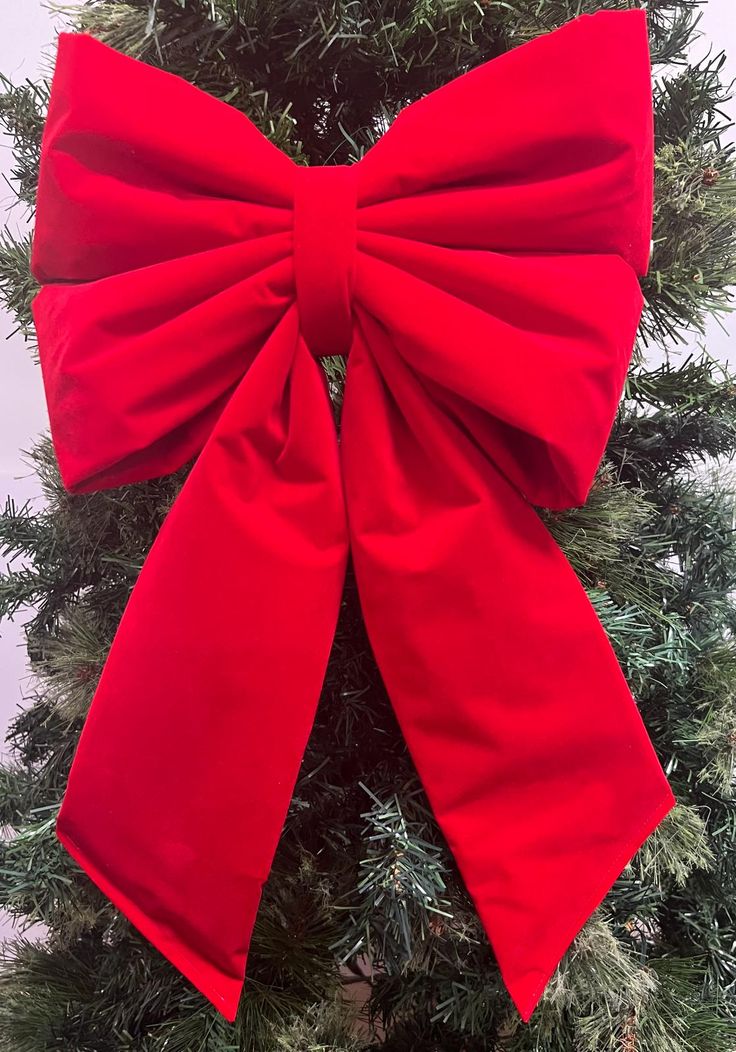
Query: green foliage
point(402, 893)
point(694, 261)
point(17, 285)
point(22, 114)
point(364, 898)
point(677, 847)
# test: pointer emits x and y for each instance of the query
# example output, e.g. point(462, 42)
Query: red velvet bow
point(480, 265)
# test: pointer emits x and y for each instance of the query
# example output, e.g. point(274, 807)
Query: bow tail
point(519, 720)
point(186, 764)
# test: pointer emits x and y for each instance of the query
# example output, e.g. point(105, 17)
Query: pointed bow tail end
point(487, 299)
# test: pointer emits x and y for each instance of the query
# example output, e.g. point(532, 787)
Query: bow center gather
point(324, 256)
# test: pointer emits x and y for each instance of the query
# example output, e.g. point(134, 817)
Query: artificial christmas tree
point(361, 873)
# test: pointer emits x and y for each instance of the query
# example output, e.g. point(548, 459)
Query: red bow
point(480, 265)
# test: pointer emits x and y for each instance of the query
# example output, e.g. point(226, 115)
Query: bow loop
point(171, 292)
point(156, 353)
point(529, 351)
point(555, 129)
point(175, 194)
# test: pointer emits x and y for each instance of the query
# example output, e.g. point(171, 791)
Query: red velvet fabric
point(480, 265)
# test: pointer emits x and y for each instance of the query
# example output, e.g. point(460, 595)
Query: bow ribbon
point(480, 265)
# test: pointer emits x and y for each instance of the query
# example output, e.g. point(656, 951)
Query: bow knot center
point(324, 256)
